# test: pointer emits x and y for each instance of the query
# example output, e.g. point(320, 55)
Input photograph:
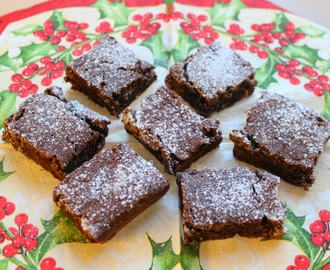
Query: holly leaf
point(222, 12)
point(189, 257)
point(326, 111)
point(264, 74)
point(279, 21)
point(311, 31)
point(163, 256)
point(116, 11)
point(7, 63)
point(4, 264)
point(58, 230)
point(304, 52)
point(29, 52)
point(3, 174)
point(27, 30)
point(183, 47)
point(155, 44)
point(326, 66)
point(298, 235)
point(169, 2)
point(7, 105)
point(67, 58)
point(58, 20)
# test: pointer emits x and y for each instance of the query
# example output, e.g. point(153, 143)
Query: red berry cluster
point(288, 71)
point(104, 28)
point(320, 229)
point(24, 238)
point(22, 86)
point(196, 31)
point(301, 263)
point(317, 85)
point(49, 264)
point(142, 31)
point(52, 70)
point(169, 14)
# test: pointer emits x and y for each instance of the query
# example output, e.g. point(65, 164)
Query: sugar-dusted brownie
point(108, 191)
point(212, 79)
point(174, 134)
point(217, 204)
point(283, 137)
point(111, 75)
point(56, 134)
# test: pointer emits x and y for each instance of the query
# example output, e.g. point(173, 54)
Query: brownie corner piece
point(217, 204)
point(108, 191)
point(283, 137)
point(56, 134)
point(174, 134)
point(212, 79)
point(111, 75)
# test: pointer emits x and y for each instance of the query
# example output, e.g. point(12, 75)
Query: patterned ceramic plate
point(291, 56)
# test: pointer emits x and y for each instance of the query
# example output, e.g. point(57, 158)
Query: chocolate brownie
point(217, 204)
point(284, 137)
point(108, 191)
point(111, 75)
point(212, 79)
point(56, 134)
point(171, 131)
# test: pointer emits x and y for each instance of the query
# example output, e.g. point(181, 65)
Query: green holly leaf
point(58, 230)
point(304, 52)
point(279, 21)
point(3, 174)
point(169, 2)
point(264, 74)
point(184, 46)
point(222, 12)
point(311, 31)
point(27, 30)
point(298, 235)
point(7, 105)
point(326, 66)
point(7, 63)
point(29, 52)
point(326, 111)
point(116, 11)
point(58, 20)
point(67, 58)
point(163, 256)
point(4, 264)
point(189, 257)
point(155, 44)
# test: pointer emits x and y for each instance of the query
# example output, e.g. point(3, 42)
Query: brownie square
point(56, 134)
point(111, 75)
point(171, 131)
point(283, 137)
point(109, 191)
point(212, 79)
point(217, 204)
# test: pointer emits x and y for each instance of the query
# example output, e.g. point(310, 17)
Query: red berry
point(21, 219)
point(267, 34)
point(13, 231)
point(145, 22)
point(269, 40)
point(9, 208)
point(33, 66)
point(294, 63)
point(300, 35)
point(126, 34)
point(28, 230)
point(179, 15)
point(38, 33)
point(289, 68)
point(137, 17)
point(31, 243)
point(208, 29)
point(318, 91)
point(239, 31)
point(50, 66)
point(28, 72)
point(202, 18)
point(60, 65)
point(67, 24)
point(160, 16)
point(311, 73)
point(44, 72)
point(254, 49)
point(279, 50)
point(284, 42)
point(70, 38)
point(203, 34)
point(9, 251)
point(264, 27)
point(214, 35)
point(191, 16)
point(2, 237)
point(148, 16)
point(294, 81)
point(72, 32)
point(156, 25)
point(74, 25)
point(255, 27)
point(18, 242)
point(131, 40)
point(277, 36)
point(259, 37)
point(48, 264)
point(306, 68)
point(145, 37)
point(195, 36)
point(302, 262)
point(80, 35)
point(83, 26)
point(294, 40)
point(152, 31)
point(46, 81)
point(208, 41)
point(289, 33)
point(284, 74)
point(326, 237)
point(24, 93)
point(60, 48)
point(316, 238)
point(44, 37)
point(49, 32)
point(17, 78)
point(195, 28)
point(308, 87)
point(2, 214)
point(315, 83)
point(234, 26)
point(232, 46)
point(3, 200)
point(326, 86)
point(271, 25)
point(324, 215)
point(34, 89)
point(194, 22)
point(262, 54)
point(14, 87)
point(138, 34)
point(241, 46)
point(45, 60)
point(48, 24)
point(323, 78)
point(289, 25)
point(188, 30)
point(26, 84)
point(132, 28)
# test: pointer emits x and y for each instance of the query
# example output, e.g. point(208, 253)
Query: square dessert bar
point(212, 79)
point(171, 131)
point(111, 75)
point(56, 134)
point(217, 204)
point(283, 137)
point(108, 191)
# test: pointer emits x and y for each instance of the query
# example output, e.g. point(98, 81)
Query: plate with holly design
point(291, 56)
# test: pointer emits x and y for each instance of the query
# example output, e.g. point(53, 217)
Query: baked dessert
point(174, 134)
point(283, 137)
point(212, 79)
point(217, 204)
point(110, 75)
point(56, 134)
point(108, 191)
